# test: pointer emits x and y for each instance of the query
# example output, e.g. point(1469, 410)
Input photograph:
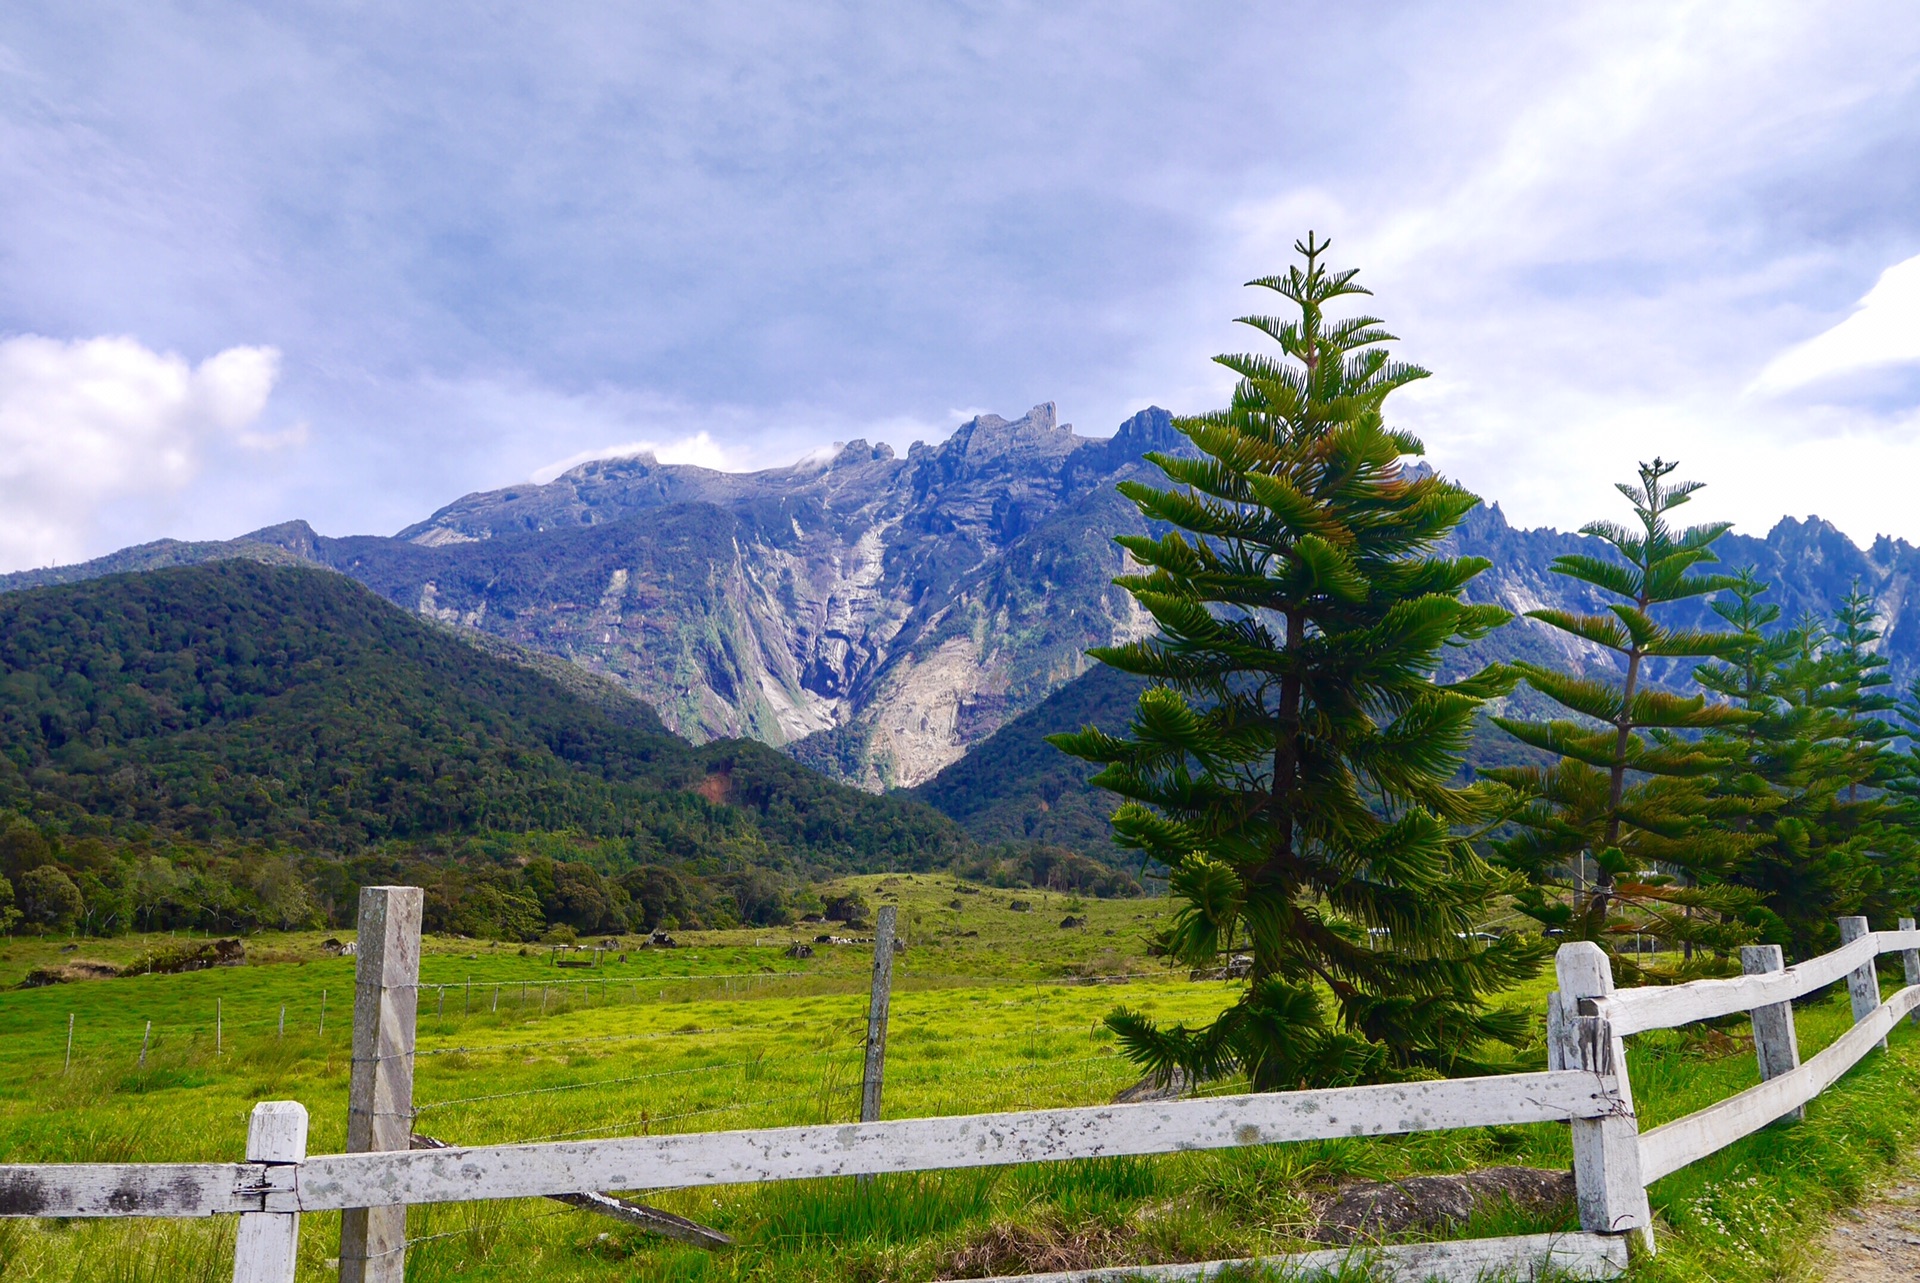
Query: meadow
point(997, 1007)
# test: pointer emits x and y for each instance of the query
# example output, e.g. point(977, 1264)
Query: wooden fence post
point(1775, 1043)
point(1911, 957)
point(373, 1240)
point(1863, 982)
point(877, 1004)
point(1611, 1197)
point(267, 1245)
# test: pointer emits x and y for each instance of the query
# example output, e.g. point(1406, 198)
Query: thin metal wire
point(461, 1233)
point(599, 1082)
point(693, 1113)
point(506, 1047)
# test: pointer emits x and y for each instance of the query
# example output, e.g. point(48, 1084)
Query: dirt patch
point(1023, 1249)
point(68, 973)
point(1878, 1243)
point(715, 788)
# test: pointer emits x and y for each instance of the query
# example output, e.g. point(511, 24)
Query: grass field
point(997, 1007)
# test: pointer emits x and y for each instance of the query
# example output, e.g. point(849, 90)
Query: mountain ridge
point(878, 616)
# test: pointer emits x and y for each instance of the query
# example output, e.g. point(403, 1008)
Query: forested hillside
point(289, 710)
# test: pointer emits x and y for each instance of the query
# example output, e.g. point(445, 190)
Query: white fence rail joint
point(1586, 1086)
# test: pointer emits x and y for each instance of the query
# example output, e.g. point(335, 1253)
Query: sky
point(347, 261)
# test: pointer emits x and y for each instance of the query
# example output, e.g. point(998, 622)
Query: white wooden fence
point(1585, 1086)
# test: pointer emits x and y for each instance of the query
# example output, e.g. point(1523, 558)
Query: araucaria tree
point(1630, 790)
point(1814, 763)
point(1294, 760)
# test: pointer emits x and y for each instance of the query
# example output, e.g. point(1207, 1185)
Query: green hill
point(292, 709)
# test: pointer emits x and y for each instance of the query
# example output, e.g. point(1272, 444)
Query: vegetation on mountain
point(1630, 790)
point(248, 744)
point(1292, 760)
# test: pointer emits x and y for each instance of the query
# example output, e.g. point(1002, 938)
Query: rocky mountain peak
point(987, 438)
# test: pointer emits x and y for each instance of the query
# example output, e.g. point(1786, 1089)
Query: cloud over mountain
point(91, 422)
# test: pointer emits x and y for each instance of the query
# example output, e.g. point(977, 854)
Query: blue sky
point(347, 261)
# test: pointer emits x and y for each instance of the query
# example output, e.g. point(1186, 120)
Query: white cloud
point(699, 450)
point(87, 423)
point(1883, 330)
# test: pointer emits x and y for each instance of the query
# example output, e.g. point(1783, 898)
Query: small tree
point(49, 899)
point(1293, 761)
point(1629, 789)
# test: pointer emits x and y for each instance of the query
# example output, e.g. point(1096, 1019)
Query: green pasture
point(997, 1007)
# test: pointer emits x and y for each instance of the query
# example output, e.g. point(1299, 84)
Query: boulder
point(1170, 1086)
point(1379, 1210)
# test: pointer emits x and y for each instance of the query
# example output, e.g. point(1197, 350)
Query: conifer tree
point(1811, 765)
point(1629, 790)
point(1293, 759)
point(1862, 685)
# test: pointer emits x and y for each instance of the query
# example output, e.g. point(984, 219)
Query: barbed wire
point(462, 1233)
point(649, 1120)
point(602, 1039)
point(783, 1059)
point(635, 1078)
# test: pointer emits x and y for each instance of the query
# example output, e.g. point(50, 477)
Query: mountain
point(244, 702)
point(875, 614)
point(1014, 786)
point(878, 617)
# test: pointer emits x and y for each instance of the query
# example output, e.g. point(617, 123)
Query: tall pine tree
point(1629, 792)
point(1293, 761)
point(1812, 764)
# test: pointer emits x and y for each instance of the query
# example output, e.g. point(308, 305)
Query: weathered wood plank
point(651, 1219)
point(1863, 982)
point(1910, 960)
point(266, 1247)
point(873, 1076)
point(373, 1235)
point(1633, 1011)
point(1608, 1192)
point(1776, 1044)
point(1567, 1256)
point(931, 1144)
point(1671, 1146)
point(133, 1189)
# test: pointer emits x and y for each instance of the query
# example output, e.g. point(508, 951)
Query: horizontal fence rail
point(1671, 1146)
point(1633, 1011)
point(1586, 1087)
point(332, 1182)
point(134, 1189)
